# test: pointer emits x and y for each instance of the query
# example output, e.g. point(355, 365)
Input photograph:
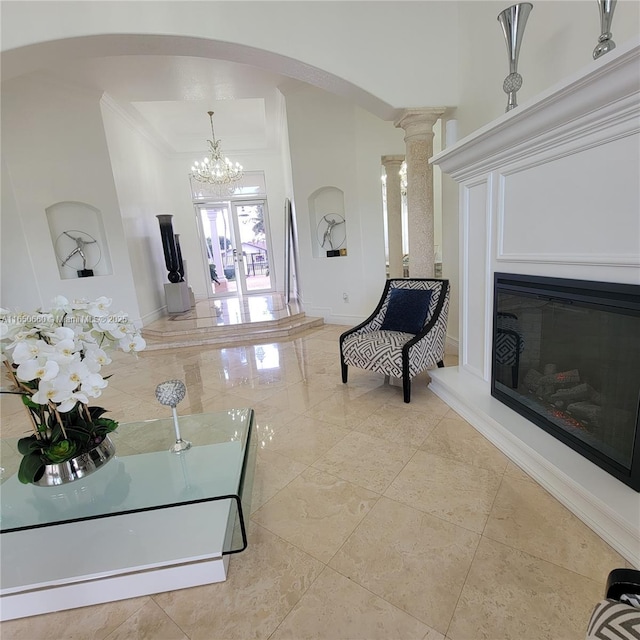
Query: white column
point(391, 166)
point(418, 128)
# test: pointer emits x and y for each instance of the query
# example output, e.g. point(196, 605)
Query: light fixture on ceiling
point(217, 170)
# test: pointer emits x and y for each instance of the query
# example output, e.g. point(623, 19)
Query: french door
point(236, 246)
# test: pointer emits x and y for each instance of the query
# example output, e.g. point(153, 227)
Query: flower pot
point(79, 467)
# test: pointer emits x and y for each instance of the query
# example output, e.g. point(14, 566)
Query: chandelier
point(217, 170)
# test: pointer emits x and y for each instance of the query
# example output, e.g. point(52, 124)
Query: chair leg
point(344, 371)
point(406, 388)
point(441, 364)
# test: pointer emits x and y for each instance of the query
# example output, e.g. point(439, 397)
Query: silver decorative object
point(81, 466)
point(170, 393)
point(605, 43)
point(513, 21)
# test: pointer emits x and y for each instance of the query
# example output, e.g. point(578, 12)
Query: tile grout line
point(480, 537)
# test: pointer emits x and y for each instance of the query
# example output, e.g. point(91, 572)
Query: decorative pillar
point(418, 128)
point(392, 165)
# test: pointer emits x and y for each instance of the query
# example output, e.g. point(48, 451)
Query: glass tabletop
point(144, 475)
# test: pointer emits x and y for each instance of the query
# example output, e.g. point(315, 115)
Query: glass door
point(237, 247)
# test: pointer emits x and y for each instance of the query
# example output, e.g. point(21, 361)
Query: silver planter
point(79, 467)
point(513, 21)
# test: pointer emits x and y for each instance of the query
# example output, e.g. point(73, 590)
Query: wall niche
point(328, 225)
point(79, 240)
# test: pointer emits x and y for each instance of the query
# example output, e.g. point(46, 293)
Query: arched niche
point(326, 210)
point(79, 240)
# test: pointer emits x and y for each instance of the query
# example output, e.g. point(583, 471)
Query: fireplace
point(566, 355)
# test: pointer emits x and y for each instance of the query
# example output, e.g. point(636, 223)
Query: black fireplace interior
point(566, 355)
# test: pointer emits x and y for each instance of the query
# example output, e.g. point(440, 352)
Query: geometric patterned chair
point(404, 335)
point(618, 616)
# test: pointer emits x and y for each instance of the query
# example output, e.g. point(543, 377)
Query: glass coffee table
point(146, 522)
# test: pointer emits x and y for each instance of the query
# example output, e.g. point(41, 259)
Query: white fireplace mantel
point(599, 96)
point(550, 188)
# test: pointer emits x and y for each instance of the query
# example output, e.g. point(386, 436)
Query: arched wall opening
point(33, 57)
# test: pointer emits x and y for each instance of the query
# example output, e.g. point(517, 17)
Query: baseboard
point(603, 503)
point(152, 316)
point(452, 346)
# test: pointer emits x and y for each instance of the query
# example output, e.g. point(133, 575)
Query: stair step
point(231, 335)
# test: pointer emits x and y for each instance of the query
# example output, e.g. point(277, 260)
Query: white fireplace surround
point(551, 189)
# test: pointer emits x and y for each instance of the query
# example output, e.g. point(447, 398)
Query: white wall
point(54, 147)
point(143, 181)
point(559, 39)
point(19, 287)
point(335, 144)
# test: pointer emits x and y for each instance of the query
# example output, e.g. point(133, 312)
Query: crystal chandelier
point(217, 170)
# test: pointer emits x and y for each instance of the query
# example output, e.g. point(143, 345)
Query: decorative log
point(562, 379)
point(585, 411)
point(545, 391)
point(572, 394)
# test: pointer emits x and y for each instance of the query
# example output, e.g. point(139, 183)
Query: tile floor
point(371, 519)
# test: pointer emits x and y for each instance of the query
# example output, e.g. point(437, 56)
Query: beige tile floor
point(372, 519)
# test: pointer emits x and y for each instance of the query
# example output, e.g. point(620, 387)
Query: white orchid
point(132, 343)
point(30, 349)
point(99, 307)
point(51, 391)
point(96, 358)
point(93, 385)
point(72, 401)
point(84, 337)
point(54, 357)
point(64, 352)
point(37, 368)
point(120, 331)
point(62, 333)
point(73, 373)
point(18, 333)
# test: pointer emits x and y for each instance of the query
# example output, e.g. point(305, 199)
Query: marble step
point(231, 335)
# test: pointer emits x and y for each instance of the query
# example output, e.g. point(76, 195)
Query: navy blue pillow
point(407, 310)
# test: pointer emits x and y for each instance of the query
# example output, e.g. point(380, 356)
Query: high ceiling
point(169, 97)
